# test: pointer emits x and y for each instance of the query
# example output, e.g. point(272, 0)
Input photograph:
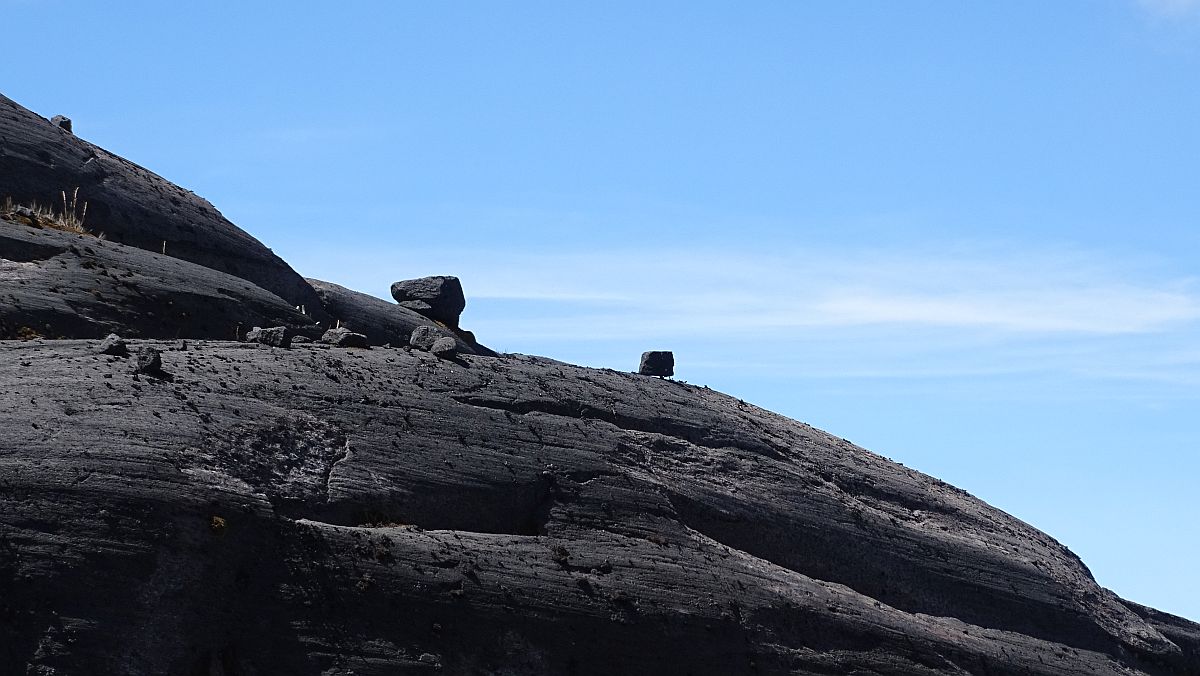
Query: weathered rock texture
point(130, 205)
point(58, 284)
point(324, 511)
point(657, 363)
point(344, 337)
point(223, 508)
point(439, 297)
point(384, 323)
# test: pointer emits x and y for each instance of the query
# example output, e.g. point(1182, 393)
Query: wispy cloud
point(701, 290)
point(1170, 7)
point(981, 313)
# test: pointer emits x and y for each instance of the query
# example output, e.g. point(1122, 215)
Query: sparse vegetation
point(68, 219)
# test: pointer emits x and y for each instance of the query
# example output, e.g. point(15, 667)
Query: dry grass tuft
point(69, 219)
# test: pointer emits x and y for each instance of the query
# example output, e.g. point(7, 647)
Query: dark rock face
point(657, 363)
point(344, 337)
point(211, 507)
point(58, 284)
point(380, 321)
point(444, 347)
point(148, 360)
point(113, 345)
point(276, 336)
point(131, 205)
point(62, 122)
point(439, 297)
point(309, 511)
point(423, 337)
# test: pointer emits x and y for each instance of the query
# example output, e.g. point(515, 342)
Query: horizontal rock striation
point(58, 284)
point(332, 511)
point(184, 498)
point(39, 160)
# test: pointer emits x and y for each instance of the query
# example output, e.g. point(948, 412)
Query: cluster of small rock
point(147, 360)
point(438, 298)
point(430, 339)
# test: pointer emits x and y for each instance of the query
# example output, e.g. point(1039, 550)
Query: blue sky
point(963, 235)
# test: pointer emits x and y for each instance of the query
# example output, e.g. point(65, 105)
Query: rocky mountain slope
point(249, 509)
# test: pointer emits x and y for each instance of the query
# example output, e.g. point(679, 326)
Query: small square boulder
point(657, 363)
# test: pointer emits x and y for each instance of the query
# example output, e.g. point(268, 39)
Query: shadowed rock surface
point(328, 511)
point(439, 297)
point(58, 284)
point(211, 507)
point(131, 205)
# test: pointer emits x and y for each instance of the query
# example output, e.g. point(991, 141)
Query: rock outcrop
point(201, 505)
point(316, 511)
point(344, 337)
point(384, 323)
point(40, 159)
point(275, 336)
point(58, 284)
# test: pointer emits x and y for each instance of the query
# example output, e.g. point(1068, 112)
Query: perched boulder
point(444, 348)
point(62, 122)
point(149, 361)
point(380, 321)
point(440, 297)
point(113, 345)
point(276, 336)
point(657, 363)
point(344, 337)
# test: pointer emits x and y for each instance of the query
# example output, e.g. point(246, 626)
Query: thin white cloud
point(1170, 8)
point(692, 291)
point(1089, 318)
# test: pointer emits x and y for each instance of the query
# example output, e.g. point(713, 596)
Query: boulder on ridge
point(439, 297)
point(382, 322)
